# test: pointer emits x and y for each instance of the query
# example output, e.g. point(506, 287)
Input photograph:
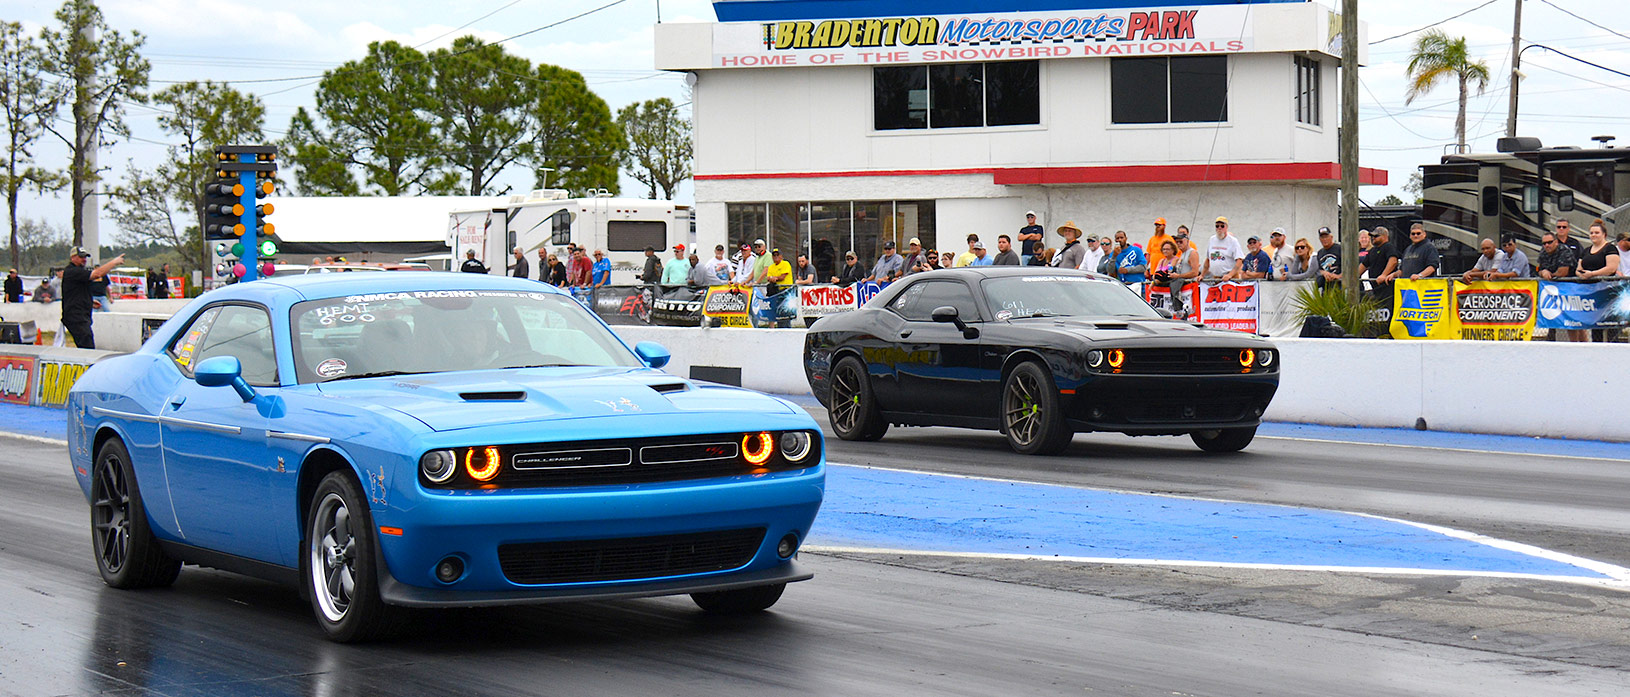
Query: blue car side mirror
point(221, 371)
point(652, 354)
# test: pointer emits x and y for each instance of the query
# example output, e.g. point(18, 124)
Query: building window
point(1307, 91)
point(962, 95)
point(1186, 89)
point(636, 235)
point(826, 229)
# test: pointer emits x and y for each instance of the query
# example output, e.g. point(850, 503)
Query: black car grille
point(619, 462)
point(1182, 361)
point(629, 558)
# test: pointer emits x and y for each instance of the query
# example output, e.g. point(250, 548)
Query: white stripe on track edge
point(1442, 448)
point(1618, 576)
point(34, 439)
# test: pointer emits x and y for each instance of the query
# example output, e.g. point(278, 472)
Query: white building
point(901, 121)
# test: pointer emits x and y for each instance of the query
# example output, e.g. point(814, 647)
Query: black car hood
point(1122, 329)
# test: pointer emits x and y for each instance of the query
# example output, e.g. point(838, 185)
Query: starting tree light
point(246, 173)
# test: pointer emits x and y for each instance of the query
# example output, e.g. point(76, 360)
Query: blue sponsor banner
point(1565, 305)
point(865, 290)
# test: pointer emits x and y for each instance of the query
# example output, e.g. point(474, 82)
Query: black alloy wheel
point(339, 570)
point(1226, 440)
point(127, 554)
point(853, 411)
point(1032, 417)
point(741, 601)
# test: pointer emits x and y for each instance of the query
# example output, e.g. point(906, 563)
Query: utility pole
point(1516, 61)
point(1349, 149)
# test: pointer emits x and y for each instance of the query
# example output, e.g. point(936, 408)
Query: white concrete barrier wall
point(1466, 386)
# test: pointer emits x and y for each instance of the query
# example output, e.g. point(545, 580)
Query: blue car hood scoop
point(451, 401)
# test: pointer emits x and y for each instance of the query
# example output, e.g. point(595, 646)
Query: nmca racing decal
point(953, 31)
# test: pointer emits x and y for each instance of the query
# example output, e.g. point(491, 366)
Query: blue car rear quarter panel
point(380, 432)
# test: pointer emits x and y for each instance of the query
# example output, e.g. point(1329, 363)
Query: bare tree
point(659, 145)
point(26, 101)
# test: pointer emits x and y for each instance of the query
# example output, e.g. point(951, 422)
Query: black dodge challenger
point(1038, 354)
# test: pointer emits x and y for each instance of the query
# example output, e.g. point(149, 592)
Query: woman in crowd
point(947, 260)
point(1600, 259)
point(1364, 243)
point(557, 272)
point(1301, 263)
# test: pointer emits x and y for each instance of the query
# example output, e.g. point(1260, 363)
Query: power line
point(467, 24)
point(1429, 26)
point(1576, 77)
point(1581, 60)
point(1582, 19)
point(1378, 103)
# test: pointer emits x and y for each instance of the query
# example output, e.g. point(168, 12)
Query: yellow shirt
point(778, 273)
point(964, 259)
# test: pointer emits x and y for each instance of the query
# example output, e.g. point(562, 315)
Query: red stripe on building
point(1121, 174)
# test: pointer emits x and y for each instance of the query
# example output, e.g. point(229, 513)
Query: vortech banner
point(1424, 309)
point(16, 379)
point(1495, 310)
point(983, 37)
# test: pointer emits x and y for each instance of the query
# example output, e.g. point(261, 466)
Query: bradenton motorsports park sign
point(984, 37)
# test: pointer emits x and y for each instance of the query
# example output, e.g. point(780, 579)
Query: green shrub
point(1331, 301)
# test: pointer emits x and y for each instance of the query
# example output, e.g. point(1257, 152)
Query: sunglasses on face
point(1301, 246)
point(1222, 225)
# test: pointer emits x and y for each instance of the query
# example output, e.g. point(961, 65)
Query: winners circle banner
point(983, 37)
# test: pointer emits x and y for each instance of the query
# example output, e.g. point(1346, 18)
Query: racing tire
point(338, 564)
point(1032, 417)
point(1227, 440)
point(127, 554)
point(741, 601)
point(853, 412)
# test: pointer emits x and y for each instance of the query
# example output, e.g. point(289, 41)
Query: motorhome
point(549, 218)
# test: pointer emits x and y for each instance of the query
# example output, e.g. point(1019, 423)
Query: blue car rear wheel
point(127, 553)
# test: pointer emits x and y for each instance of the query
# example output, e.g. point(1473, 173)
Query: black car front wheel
point(1225, 440)
point(741, 601)
point(340, 574)
point(853, 411)
point(127, 553)
point(1032, 416)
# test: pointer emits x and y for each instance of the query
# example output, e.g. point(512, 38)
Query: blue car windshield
point(408, 332)
point(1018, 297)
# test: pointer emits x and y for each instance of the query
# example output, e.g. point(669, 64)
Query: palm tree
point(1435, 57)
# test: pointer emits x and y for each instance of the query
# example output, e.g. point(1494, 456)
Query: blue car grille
point(617, 462)
point(628, 558)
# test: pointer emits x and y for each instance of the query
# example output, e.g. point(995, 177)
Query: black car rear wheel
point(853, 411)
point(1032, 417)
point(741, 601)
point(1225, 440)
point(127, 553)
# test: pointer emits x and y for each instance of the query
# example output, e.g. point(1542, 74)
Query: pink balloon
point(238, 269)
point(268, 268)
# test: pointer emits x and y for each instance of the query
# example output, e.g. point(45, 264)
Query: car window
point(937, 294)
point(902, 303)
point(240, 331)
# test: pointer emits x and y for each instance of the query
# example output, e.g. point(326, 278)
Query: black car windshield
point(407, 332)
point(1018, 297)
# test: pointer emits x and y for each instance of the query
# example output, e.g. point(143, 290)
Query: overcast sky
point(1563, 102)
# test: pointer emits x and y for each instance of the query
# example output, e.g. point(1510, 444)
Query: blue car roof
point(275, 291)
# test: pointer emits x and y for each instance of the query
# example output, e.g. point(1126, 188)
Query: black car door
point(938, 369)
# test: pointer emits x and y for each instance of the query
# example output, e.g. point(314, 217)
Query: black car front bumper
point(1169, 404)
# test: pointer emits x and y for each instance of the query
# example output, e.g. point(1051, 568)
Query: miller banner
point(983, 37)
point(1583, 305)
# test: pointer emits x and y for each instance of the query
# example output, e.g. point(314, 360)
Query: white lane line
point(1619, 584)
point(34, 439)
point(1443, 448)
point(1619, 576)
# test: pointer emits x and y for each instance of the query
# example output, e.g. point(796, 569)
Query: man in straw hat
point(1071, 255)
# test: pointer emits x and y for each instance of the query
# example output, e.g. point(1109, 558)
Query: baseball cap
point(649, 248)
point(1253, 238)
point(716, 248)
point(679, 248)
point(1160, 221)
point(915, 241)
point(1029, 214)
point(979, 245)
point(777, 250)
point(80, 252)
point(1324, 231)
point(759, 242)
point(888, 244)
point(1222, 219)
point(1278, 231)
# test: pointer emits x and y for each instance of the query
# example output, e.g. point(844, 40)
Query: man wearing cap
point(851, 273)
point(1224, 256)
point(653, 266)
point(746, 261)
point(677, 269)
point(913, 256)
point(889, 266)
point(521, 269)
point(1030, 237)
point(76, 295)
point(981, 257)
point(967, 257)
point(580, 271)
point(1257, 264)
point(1005, 256)
point(1153, 248)
point(1280, 252)
point(14, 287)
point(1328, 260)
point(1094, 254)
point(1381, 264)
point(719, 267)
point(1070, 256)
point(777, 278)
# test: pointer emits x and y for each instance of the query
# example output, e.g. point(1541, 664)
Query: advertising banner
point(1583, 305)
point(865, 290)
point(994, 36)
point(55, 381)
point(623, 304)
point(770, 310)
point(1495, 310)
point(1230, 305)
point(1159, 297)
point(1424, 309)
point(680, 307)
point(815, 302)
point(584, 296)
point(728, 305)
point(16, 379)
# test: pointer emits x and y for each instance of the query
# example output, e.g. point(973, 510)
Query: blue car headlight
point(438, 465)
point(796, 445)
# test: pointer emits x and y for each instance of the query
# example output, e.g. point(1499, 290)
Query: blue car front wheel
point(340, 571)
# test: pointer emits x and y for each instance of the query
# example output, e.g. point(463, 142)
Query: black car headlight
point(1264, 357)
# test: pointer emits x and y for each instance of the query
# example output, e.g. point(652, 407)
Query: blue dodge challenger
point(388, 441)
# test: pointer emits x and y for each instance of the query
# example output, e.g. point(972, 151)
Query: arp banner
point(1230, 305)
point(1495, 310)
point(1424, 310)
point(727, 305)
point(17, 379)
point(1583, 305)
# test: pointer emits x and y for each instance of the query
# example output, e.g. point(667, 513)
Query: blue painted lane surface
point(34, 421)
point(886, 509)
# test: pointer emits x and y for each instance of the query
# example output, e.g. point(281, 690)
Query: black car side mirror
point(949, 314)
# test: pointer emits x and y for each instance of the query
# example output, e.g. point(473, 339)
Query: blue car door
point(214, 443)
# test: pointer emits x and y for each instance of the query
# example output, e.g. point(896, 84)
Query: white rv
point(547, 218)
